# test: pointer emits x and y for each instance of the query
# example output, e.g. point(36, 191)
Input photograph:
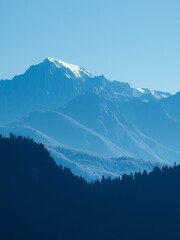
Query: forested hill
point(40, 200)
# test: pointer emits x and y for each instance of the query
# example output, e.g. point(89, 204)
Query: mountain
point(120, 138)
point(172, 105)
point(69, 132)
point(45, 86)
point(64, 106)
point(152, 93)
point(92, 167)
point(88, 165)
point(154, 121)
point(110, 119)
point(52, 84)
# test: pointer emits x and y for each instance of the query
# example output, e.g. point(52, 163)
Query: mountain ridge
point(64, 104)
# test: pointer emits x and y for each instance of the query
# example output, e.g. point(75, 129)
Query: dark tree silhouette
point(40, 200)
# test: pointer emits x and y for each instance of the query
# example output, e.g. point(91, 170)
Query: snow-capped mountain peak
point(154, 93)
point(76, 70)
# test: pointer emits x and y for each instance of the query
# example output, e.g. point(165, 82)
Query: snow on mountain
point(44, 86)
point(76, 70)
point(154, 93)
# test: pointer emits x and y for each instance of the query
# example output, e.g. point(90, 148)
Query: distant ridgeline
point(40, 200)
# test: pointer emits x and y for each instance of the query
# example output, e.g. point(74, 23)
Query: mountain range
point(91, 124)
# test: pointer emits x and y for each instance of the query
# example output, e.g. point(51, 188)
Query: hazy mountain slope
point(92, 167)
point(151, 118)
point(71, 133)
point(129, 140)
point(106, 118)
point(29, 132)
point(81, 163)
point(172, 105)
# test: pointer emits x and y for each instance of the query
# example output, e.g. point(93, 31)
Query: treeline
point(39, 200)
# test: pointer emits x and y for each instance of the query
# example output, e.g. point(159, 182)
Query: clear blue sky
point(135, 41)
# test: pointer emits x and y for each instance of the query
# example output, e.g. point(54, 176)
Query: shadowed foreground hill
point(40, 200)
